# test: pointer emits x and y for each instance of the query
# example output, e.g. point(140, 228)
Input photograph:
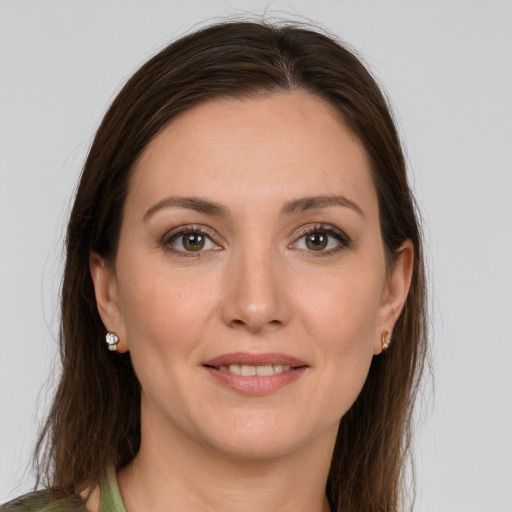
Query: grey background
point(448, 70)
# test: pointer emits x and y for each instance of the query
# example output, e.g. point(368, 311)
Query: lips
point(255, 374)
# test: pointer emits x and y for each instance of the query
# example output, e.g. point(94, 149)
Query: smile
point(247, 370)
point(255, 374)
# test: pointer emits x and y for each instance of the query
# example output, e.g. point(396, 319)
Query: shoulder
point(42, 501)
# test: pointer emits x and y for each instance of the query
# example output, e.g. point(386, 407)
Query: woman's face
point(250, 284)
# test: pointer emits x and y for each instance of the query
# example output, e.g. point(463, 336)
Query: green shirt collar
point(110, 500)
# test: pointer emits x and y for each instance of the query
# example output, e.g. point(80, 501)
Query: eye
point(189, 240)
point(321, 239)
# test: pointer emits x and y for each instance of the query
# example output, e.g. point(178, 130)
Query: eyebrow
point(190, 203)
point(292, 207)
point(317, 202)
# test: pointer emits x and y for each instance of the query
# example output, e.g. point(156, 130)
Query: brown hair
point(95, 418)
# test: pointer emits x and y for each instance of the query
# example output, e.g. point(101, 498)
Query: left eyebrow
point(318, 202)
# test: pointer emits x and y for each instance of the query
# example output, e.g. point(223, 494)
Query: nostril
point(236, 323)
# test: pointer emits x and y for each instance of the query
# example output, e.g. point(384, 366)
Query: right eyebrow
point(190, 203)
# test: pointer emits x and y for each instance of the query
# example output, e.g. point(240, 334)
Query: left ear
point(395, 292)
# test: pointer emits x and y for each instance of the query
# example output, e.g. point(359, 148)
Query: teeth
point(248, 371)
point(235, 368)
point(268, 369)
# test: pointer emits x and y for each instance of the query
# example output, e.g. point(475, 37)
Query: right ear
point(107, 298)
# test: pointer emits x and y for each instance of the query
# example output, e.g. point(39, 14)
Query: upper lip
point(245, 358)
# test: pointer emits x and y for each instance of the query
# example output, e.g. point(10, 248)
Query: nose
point(255, 296)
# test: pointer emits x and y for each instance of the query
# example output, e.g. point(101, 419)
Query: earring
point(112, 340)
point(385, 340)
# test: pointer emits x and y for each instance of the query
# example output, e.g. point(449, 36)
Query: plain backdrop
point(447, 68)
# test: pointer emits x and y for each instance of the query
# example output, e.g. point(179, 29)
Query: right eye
point(189, 240)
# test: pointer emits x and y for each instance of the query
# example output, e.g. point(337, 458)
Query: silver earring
point(112, 340)
point(385, 340)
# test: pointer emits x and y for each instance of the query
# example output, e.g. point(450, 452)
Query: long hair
point(94, 421)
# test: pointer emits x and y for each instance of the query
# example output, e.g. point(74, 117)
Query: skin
point(256, 287)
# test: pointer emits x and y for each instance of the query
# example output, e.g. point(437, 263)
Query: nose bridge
point(255, 297)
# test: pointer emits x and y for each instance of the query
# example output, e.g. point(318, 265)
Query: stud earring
point(385, 340)
point(112, 340)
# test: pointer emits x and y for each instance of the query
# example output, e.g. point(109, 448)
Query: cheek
point(166, 317)
point(340, 314)
point(341, 308)
point(165, 311)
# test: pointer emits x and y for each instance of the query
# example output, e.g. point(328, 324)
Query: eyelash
point(330, 231)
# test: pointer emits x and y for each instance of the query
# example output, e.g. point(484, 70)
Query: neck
point(169, 475)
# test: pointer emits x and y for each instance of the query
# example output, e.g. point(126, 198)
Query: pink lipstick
point(255, 374)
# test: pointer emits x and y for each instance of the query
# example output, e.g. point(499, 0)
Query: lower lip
point(256, 384)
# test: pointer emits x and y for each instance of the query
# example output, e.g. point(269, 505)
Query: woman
point(243, 306)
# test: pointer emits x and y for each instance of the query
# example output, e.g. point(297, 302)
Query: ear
point(395, 292)
point(107, 298)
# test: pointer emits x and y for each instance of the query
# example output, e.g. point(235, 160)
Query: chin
point(261, 437)
point(250, 448)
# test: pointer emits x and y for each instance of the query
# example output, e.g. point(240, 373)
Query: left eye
point(191, 242)
point(320, 241)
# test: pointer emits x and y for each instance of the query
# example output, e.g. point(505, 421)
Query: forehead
point(276, 148)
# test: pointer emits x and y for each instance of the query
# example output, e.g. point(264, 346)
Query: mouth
point(255, 374)
point(248, 370)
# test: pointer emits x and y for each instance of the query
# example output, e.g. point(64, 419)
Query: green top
point(41, 501)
